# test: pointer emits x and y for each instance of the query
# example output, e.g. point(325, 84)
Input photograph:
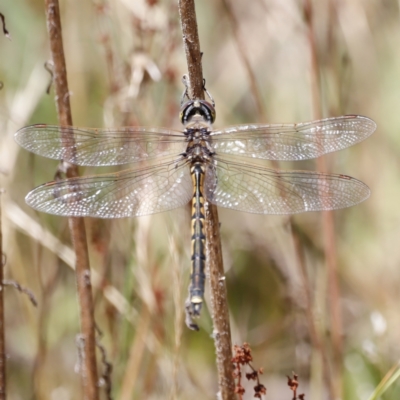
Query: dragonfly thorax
point(198, 139)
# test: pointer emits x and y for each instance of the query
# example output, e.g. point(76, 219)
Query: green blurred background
point(125, 61)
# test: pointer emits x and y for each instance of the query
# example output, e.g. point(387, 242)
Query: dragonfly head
point(200, 110)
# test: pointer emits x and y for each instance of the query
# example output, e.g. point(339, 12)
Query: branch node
point(21, 289)
point(5, 31)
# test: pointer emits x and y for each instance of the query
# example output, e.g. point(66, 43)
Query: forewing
point(128, 193)
point(293, 142)
point(261, 190)
point(97, 147)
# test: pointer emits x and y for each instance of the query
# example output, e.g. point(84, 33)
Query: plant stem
point(2, 324)
point(77, 226)
point(328, 224)
point(219, 304)
point(314, 333)
point(241, 47)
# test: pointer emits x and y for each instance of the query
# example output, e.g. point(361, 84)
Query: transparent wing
point(293, 142)
point(97, 147)
point(255, 189)
point(129, 193)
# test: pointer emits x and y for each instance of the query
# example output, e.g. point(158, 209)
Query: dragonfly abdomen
point(198, 239)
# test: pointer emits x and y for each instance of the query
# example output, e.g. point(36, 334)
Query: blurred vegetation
point(125, 61)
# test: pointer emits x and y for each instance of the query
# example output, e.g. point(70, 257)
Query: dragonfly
point(198, 164)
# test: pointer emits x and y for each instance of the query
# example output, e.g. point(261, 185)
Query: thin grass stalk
point(218, 293)
point(313, 331)
point(261, 116)
point(328, 225)
point(77, 226)
point(178, 320)
point(47, 288)
point(387, 381)
point(3, 393)
point(136, 355)
point(299, 251)
point(241, 46)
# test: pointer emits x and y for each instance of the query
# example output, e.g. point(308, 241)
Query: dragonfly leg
point(208, 93)
point(185, 94)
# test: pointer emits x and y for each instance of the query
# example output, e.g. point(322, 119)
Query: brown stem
point(314, 334)
point(241, 46)
point(191, 44)
point(327, 216)
point(2, 324)
point(107, 370)
point(77, 226)
point(219, 304)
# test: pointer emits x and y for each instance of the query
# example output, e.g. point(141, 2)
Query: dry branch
point(328, 225)
point(241, 47)
point(21, 289)
point(77, 226)
point(5, 31)
point(2, 324)
point(107, 370)
point(219, 305)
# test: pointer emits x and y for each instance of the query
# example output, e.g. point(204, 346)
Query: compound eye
point(208, 111)
point(186, 112)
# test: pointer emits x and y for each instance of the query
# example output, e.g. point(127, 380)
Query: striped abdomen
point(198, 240)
